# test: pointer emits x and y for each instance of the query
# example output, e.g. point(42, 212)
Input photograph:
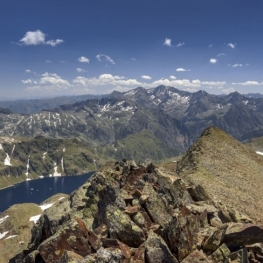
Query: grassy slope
point(138, 147)
point(230, 171)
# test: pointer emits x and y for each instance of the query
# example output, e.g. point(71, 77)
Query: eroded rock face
point(129, 213)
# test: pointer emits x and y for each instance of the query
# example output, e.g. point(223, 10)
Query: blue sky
point(51, 48)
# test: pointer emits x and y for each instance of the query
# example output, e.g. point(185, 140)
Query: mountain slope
point(228, 170)
point(98, 122)
point(23, 158)
point(138, 146)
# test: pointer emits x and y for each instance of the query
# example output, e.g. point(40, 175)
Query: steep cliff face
point(129, 213)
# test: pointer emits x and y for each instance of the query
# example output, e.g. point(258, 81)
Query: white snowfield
point(56, 170)
point(260, 153)
point(3, 219)
point(3, 234)
point(35, 218)
point(11, 237)
point(46, 206)
point(7, 160)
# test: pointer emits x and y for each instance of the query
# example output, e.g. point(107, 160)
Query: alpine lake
point(38, 190)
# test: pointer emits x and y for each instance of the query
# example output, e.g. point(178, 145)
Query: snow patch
point(260, 153)
point(35, 218)
point(10, 237)
point(13, 149)
point(45, 206)
point(3, 234)
point(56, 170)
point(27, 167)
point(61, 198)
point(3, 219)
point(44, 155)
point(1, 146)
point(62, 164)
point(7, 160)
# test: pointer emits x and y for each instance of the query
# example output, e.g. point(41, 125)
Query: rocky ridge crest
point(129, 213)
point(230, 172)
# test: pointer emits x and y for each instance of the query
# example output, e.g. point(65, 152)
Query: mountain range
point(175, 117)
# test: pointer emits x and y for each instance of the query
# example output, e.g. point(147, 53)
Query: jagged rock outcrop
point(129, 213)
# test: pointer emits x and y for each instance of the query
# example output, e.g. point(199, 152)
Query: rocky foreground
point(129, 213)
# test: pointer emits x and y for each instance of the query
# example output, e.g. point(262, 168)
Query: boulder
point(157, 250)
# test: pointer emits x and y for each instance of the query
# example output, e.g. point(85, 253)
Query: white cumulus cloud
point(53, 79)
point(213, 60)
point(248, 83)
point(172, 77)
point(83, 59)
point(213, 83)
point(181, 69)
point(231, 45)
point(107, 58)
point(237, 65)
point(38, 37)
point(28, 71)
point(80, 70)
point(180, 44)
point(167, 42)
point(221, 54)
point(27, 81)
point(229, 90)
point(146, 77)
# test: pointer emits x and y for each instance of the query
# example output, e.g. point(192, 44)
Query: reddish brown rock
point(243, 234)
point(196, 257)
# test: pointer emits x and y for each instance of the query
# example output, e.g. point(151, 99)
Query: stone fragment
point(214, 239)
point(131, 210)
point(73, 237)
point(238, 234)
point(196, 257)
point(240, 256)
point(220, 254)
point(215, 221)
point(123, 228)
point(256, 248)
point(157, 251)
point(198, 193)
point(33, 257)
point(155, 206)
point(71, 257)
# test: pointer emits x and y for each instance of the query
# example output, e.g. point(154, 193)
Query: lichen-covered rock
point(123, 228)
point(220, 254)
point(73, 237)
point(131, 213)
point(157, 250)
point(196, 257)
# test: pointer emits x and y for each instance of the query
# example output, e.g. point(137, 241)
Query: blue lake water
point(36, 191)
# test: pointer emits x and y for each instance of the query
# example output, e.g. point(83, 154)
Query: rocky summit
point(231, 172)
point(129, 213)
